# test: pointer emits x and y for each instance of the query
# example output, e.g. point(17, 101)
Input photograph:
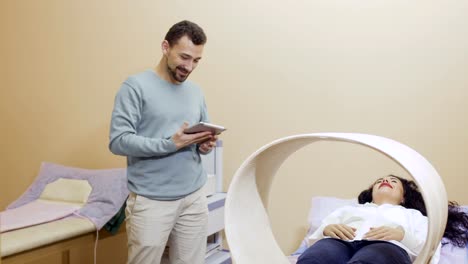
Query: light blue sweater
point(147, 112)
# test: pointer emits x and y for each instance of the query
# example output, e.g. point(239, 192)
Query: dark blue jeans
point(336, 251)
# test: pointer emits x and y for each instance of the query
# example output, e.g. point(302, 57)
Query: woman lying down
point(389, 226)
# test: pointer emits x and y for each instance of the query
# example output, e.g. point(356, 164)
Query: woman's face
point(388, 190)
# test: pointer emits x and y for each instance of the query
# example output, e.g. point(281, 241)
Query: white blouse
point(364, 216)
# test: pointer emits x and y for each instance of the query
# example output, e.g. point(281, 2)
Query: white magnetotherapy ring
point(248, 230)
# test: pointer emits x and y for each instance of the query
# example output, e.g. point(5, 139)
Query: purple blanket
point(107, 196)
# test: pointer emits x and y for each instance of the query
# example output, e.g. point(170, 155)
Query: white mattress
point(40, 235)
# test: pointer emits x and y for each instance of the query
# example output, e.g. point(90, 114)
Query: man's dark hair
point(186, 28)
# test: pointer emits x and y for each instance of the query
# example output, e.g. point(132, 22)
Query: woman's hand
point(340, 231)
point(385, 233)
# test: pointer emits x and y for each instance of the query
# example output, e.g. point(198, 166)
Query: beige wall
point(270, 69)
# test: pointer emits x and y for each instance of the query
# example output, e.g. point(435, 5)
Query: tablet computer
point(204, 126)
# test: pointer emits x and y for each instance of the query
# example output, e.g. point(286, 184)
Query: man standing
point(165, 173)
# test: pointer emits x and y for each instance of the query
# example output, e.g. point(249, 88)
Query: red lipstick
point(385, 184)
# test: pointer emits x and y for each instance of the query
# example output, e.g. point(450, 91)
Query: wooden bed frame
point(77, 250)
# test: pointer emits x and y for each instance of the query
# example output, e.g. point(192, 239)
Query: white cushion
point(67, 190)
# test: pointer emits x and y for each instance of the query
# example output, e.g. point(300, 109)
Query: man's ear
point(165, 47)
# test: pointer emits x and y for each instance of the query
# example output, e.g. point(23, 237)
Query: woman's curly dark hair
point(456, 230)
point(412, 198)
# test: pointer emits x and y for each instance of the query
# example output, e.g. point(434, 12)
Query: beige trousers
point(182, 224)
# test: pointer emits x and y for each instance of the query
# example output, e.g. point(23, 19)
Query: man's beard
point(177, 77)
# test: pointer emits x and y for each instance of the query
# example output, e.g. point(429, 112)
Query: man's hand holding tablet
point(204, 134)
point(203, 126)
